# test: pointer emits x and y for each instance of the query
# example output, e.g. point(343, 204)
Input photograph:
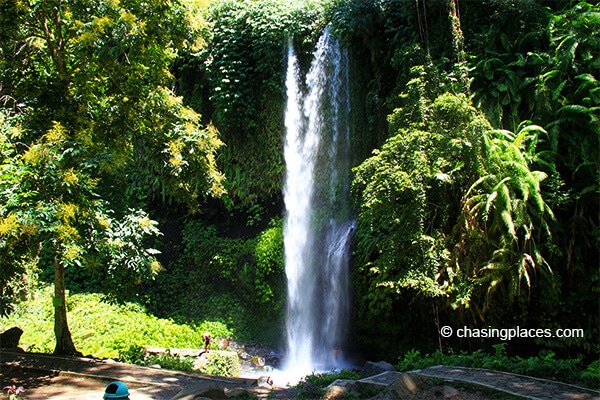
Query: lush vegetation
point(469, 209)
point(544, 366)
point(237, 82)
point(102, 328)
point(141, 157)
point(241, 284)
point(217, 363)
point(89, 130)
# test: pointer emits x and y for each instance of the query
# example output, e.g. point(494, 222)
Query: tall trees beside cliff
point(90, 132)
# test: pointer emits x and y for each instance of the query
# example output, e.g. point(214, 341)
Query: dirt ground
point(47, 377)
point(43, 384)
point(44, 376)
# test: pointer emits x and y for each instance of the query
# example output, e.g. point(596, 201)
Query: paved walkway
point(518, 385)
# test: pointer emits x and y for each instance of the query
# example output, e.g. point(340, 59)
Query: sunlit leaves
point(407, 192)
point(9, 224)
point(177, 155)
point(59, 198)
point(124, 246)
point(108, 65)
point(450, 208)
point(506, 206)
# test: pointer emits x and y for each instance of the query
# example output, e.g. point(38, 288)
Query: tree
point(102, 70)
point(48, 205)
point(408, 193)
point(99, 130)
point(449, 208)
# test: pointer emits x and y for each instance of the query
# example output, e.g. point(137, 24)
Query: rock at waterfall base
point(341, 388)
point(221, 390)
point(372, 368)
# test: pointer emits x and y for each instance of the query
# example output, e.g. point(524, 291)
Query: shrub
point(591, 376)
point(222, 364)
point(133, 355)
point(324, 379)
point(137, 355)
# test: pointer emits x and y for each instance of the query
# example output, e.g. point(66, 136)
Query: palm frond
point(489, 201)
point(508, 221)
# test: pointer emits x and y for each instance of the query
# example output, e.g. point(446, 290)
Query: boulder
point(223, 388)
point(341, 388)
point(448, 392)
point(235, 392)
point(258, 361)
point(375, 368)
point(405, 387)
point(223, 344)
point(380, 381)
point(270, 356)
point(10, 338)
point(309, 390)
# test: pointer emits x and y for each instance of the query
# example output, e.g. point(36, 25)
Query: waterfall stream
point(318, 226)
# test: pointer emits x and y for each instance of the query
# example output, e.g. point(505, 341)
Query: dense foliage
point(241, 88)
point(90, 130)
point(103, 328)
point(475, 129)
point(465, 209)
point(240, 282)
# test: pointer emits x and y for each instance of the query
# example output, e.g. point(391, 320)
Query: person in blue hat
point(116, 390)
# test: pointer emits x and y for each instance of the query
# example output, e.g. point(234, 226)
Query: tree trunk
point(64, 341)
point(458, 38)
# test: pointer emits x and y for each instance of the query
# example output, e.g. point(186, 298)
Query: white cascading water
point(318, 229)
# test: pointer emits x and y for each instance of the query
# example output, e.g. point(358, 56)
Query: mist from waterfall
point(318, 226)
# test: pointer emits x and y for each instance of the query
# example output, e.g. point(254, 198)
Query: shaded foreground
point(50, 377)
point(47, 377)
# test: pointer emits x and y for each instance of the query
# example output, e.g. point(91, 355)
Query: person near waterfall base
point(206, 339)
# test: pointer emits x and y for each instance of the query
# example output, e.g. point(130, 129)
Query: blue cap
point(116, 390)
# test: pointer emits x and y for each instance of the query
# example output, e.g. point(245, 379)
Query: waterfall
point(318, 228)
